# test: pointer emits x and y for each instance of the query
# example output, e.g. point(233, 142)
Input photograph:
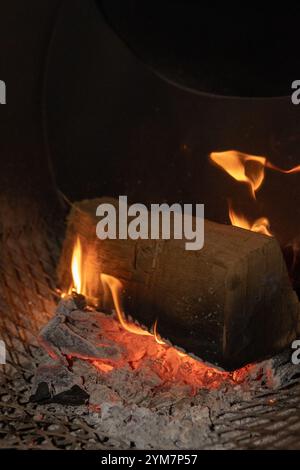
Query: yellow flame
point(76, 268)
point(116, 287)
point(244, 168)
point(291, 171)
point(261, 225)
point(248, 169)
point(156, 335)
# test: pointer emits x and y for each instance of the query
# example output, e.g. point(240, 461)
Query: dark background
point(80, 103)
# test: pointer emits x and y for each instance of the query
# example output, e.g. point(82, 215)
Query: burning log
point(230, 303)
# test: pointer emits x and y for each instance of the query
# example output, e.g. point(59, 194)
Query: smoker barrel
point(225, 50)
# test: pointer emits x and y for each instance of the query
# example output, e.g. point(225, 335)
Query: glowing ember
point(145, 356)
point(102, 366)
point(249, 169)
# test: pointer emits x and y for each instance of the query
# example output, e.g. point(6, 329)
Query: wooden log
point(230, 303)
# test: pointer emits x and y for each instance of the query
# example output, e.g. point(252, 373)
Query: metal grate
point(27, 287)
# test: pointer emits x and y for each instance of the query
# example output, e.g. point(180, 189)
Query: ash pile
point(137, 389)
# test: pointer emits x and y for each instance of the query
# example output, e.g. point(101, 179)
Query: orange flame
point(246, 168)
point(261, 225)
point(156, 335)
point(291, 171)
point(116, 287)
point(78, 284)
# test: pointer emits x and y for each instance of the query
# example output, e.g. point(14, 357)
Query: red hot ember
point(107, 345)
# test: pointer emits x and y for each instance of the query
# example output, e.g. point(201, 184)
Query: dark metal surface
point(232, 50)
point(25, 33)
point(116, 128)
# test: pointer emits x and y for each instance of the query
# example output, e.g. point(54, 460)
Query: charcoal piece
point(57, 376)
point(42, 394)
point(230, 303)
point(75, 396)
point(70, 303)
point(54, 383)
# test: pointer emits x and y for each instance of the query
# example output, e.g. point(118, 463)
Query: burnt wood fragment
point(54, 383)
point(75, 396)
point(61, 340)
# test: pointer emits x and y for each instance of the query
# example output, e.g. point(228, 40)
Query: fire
point(116, 287)
point(244, 168)
point(249, 169)
point(291, 171)
point(142, 347)
point(156, 335)
point(261, 225)
point(76, 269)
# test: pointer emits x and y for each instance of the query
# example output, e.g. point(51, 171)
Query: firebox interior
point(91, 114)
